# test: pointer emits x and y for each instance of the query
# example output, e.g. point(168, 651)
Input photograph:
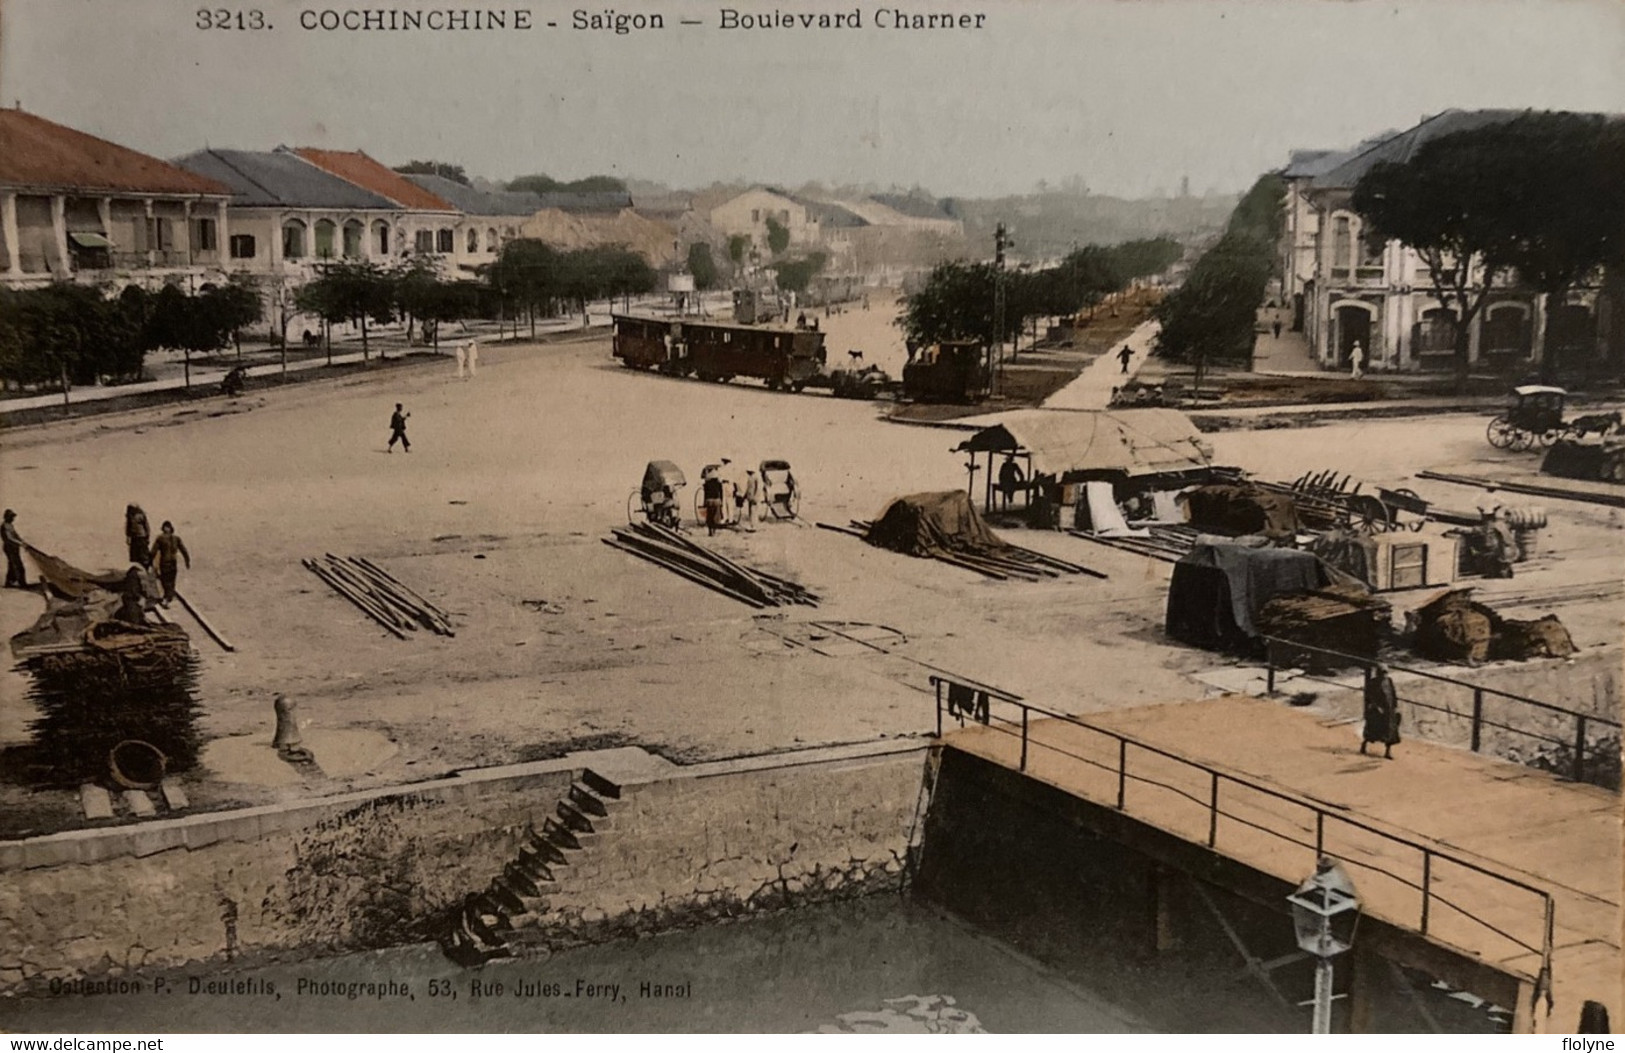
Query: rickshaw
point(1534, 415)
point(780, 492)
point(656, 498)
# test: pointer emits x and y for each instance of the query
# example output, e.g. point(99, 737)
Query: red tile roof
point(363, 171)
point(38, 153)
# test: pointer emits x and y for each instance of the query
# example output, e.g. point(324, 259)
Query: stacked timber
point(669, 549)
point(380, 595)
point(1165, 542)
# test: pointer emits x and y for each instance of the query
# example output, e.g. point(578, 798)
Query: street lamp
point(1325, 911)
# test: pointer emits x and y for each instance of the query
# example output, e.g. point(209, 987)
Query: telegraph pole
point(1001, 241)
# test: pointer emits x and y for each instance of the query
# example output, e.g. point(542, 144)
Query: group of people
point(468, 358)
point(163, 554)
point(730, 500)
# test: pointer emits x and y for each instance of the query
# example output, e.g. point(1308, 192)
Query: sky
point(1131, 96)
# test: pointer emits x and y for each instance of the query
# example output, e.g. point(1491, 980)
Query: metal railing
point(1578, 742)
point(1324, 820)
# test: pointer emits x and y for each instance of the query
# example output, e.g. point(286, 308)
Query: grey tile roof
point(829, 214)
point(480, 202)
point(1307, 164)
point(279, 179)
point(1402, 147)
point(910, 205)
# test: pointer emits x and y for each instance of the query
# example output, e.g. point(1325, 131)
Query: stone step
point(555, 832)
point(586, 801)
point(174, 797)
point(535, 865)
point(506, 898)
point(575, 820)
point(600, 785)
point(520, 881)
point(551, 853)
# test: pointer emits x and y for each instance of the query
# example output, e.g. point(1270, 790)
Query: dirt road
point(496, 514)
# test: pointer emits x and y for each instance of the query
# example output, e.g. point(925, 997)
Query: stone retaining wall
point(385, 867)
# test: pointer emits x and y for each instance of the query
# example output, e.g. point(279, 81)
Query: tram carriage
point(719, 351)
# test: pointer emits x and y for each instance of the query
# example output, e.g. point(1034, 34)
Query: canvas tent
point(1074, 446)
point(1218, 590)
point(932, 524)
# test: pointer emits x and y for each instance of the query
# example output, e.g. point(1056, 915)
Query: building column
point(276, 242)
point(59, 232)
point(8, 227)
point(152, 229)
point(186, 222)
point(222, 236)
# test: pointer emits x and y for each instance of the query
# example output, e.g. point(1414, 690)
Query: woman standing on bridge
point(1381, 711)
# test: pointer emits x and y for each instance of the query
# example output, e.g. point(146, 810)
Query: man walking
point(473, 358)
point(753, 496)
point(1357, 361)
point(1381, 711)
point(1277, 328)
point(167, 553)
point(137, 533)
point(462, 359)
point(397, 430)
point(12, 542)
point(1125, 356)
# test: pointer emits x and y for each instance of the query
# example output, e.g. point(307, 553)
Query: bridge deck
point(1557, 836)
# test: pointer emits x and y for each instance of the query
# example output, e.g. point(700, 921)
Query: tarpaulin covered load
point(1452, 627)
point(1073, 443)
point(1229, 509)
point(933, 523)
point(1218, 591)
point(67, 580)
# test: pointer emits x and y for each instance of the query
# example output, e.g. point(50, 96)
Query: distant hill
point(1049, 225)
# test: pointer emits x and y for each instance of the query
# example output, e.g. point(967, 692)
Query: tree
point(702, 266)
point(454, 173)
point(1450, 205)
point(796, 275)
point(189, 324)
point(527, 274)
point(956, 303)
point(236, 306)
point(1565, 215)
point(778, 236)
point(1212, 315)
point(545, 184)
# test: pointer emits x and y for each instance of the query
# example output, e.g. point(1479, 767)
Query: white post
point(1323, 997)
point(8, 230)
point(59, 230)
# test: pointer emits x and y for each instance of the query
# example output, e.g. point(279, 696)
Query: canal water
point(882, 964)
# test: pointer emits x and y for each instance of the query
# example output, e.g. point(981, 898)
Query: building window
point(380, 233)
point(242, 247)
point(755, 215)
point(160, 236)
point(204, 234)
point(293, 240)
point(445, 240)
point(473, 240)
point(352, 239)
point(423, 241)
point(491, 240)
point(324, 239)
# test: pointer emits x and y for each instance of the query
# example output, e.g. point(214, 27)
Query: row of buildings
point(1345, 286)
point(74, 207)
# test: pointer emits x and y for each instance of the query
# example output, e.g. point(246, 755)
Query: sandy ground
point(496, 515)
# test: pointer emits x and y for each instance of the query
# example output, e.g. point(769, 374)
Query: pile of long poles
point(667, 548)
point(1165, 543)
point(1000, 564)
point(380, 595)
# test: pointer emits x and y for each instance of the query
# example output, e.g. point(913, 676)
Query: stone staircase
point(513, 909)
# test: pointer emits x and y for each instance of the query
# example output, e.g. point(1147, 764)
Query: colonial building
point(77, 208)
point(489, 218)
point(428, 223)
point(1348, 286)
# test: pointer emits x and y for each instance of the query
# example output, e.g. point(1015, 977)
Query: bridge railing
point(1588, 761)
point(1127, 761)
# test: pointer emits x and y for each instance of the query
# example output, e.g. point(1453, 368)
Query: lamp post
point(1325, 911)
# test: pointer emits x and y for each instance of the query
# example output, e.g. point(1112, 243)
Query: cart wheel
point(1551, 435)
point(796, 386)
point(794, 504)
point(1369, 515)
point(633, 506)
point(699, 505)
point(1521, 440)
point(1501, 433)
